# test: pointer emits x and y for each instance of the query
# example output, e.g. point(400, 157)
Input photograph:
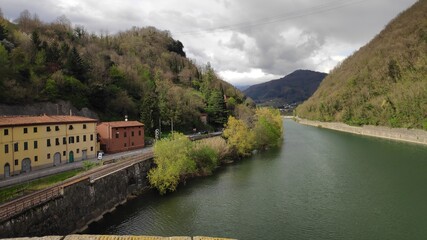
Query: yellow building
point(28, 143)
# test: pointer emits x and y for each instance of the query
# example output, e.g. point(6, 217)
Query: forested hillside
point(384, 83)
point(141, 72)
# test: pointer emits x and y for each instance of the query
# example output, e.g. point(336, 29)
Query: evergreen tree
point(53, 57)
point(150, 108)
point(3, 32)
point(35, 38)
point(4, 64)
point(76, 66)
point(216, 109)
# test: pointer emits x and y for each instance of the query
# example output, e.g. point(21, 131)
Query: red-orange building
point(120, 136)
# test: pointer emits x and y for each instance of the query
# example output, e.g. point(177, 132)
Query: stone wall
point(80, 204)
point(400, 134)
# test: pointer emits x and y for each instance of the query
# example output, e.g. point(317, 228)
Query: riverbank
point(399, 134)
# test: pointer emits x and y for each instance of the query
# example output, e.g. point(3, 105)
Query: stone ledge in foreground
point(118, 237)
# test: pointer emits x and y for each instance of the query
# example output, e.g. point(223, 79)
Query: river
point(321, 184)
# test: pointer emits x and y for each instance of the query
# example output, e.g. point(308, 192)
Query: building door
point(6, 170)
point(71, 157)
point(84, 154)
point(57, 159)
point(26, 165)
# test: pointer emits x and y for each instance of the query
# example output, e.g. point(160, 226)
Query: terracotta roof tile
point(40, 120)
point(123, 124)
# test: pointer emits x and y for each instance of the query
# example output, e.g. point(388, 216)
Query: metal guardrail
point(14, 207)
point(26, 202)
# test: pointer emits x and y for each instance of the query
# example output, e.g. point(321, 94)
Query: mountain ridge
point(292, 88)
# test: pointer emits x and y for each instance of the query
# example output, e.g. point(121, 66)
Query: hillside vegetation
point(141, 72)
point(383, 83)
point(293, 88)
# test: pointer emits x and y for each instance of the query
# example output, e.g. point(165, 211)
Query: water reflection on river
point(321, 184)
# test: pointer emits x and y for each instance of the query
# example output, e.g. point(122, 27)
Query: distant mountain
point(242, 87)
point(383, 83)
point(293, 88)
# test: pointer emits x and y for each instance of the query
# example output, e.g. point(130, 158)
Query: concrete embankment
point(400, 134)
point(114, 237)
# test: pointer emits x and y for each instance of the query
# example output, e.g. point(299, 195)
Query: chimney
point(126, 118)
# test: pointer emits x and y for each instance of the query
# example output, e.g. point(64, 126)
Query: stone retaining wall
point(79, 205)
point(400, 134)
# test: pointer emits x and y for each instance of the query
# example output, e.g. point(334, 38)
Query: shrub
point(206, 159)
point(239, 136)
point(268, 128)
point(171, 155)
point(218, 144)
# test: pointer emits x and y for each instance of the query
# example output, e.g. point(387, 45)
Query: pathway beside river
point(400, 134)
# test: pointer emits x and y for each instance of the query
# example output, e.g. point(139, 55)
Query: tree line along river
point(321, 184)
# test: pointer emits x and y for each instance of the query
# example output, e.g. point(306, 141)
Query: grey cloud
point(235, 42)
point(350, 22)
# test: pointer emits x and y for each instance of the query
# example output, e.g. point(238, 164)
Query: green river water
point(321, 184)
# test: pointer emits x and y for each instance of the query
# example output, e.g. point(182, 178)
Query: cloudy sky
point(246, 41)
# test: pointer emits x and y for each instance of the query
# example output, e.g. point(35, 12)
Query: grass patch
point(9, 193)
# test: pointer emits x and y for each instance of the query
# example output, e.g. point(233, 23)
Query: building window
point(84, 126)
point(132, 144)
point(91, 137)
point(6, 148)
point(57, 128)
point(125, 134)
point(25, 130)
point(6, 132)
point(64, 153)
point(25, 145)
point(57, 141)
point(70, 127)
point(91, 149)
point(133, 134)
point(64, 140)
point(71, 140)
point(117, 134)
point(48, 129)
point(36, 158)
point(16, 147)
point(16, 162)
point(48, 142)
point(125, 145)
point(139, 133)
point(36, 144)
point(35, 129)
point(78, 150)
point(78, 139)
point(84, 138)
point(48, 156)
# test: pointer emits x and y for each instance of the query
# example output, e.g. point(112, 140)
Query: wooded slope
point(383, 83)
